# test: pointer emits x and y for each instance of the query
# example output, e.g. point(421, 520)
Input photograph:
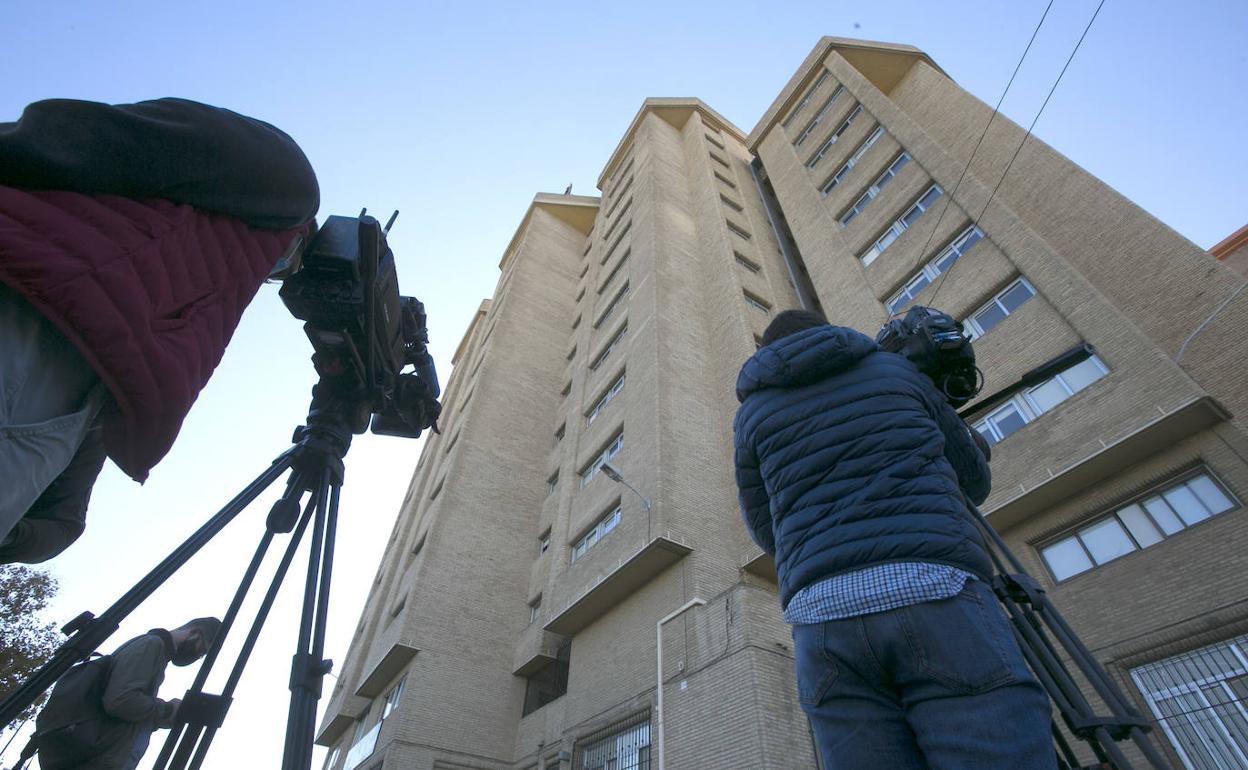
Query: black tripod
point(1043, 635)
point(315, 463)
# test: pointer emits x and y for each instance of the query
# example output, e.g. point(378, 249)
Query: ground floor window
point(622, 746)
point(1200, 700)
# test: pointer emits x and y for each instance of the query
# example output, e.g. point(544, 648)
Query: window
point(437, 488)
point(579, 294)
point(806, 99)
point(620, 175)
point(605, 399)
point(991, 314)
point(589, 244)
point(616, 201)
point(610, 308)
point(898, 227)
point(1022, 409)
point(1143, 523)
point(622, 746)
point(398, 606)
point(393, 697)
point(714, 141)
point(757, 303)
point(363, 742)
point(1199, 699)
point(552, 483)
point(577, 321)
point(454, 439)
point(737, 230)
point(601, 529)
point(584, 270)
point(617, 241)
point(549, 683)
point(567, 388)
point(844, 170)
point(939, 264)
point(332, 759)
point(615, 270)
point(746, 262)
point(725, 180)
point(730, 203)
point(819, 116)
point(543, 542)
point(420, 544)
point(831, 140)
point(874, 189)
point(611, 229)
point(595, 465)
point(571, 354)
point(535, 610)
point(602, 356)
point(719, 160)
point(561, 432)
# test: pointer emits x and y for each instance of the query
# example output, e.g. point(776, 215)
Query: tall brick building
point(512, 622)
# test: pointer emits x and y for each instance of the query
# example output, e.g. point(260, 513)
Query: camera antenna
point(390, 223)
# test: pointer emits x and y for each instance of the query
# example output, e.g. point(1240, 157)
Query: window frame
point(933, 269)
point(610, 450)
point(834, 138)
point(805, 100)
point(819, 116)
point(835, 180)
point(975, 330)
point(603, 526)
point(607, 396)
point(873, 190)
point(1029, 409)
point(899, 226)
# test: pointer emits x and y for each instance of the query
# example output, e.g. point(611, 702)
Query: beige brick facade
point(666, 281)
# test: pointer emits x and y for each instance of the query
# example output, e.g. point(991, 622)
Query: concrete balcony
point(340, 716)
point(535, 649)
point(761, 565)
point(629, 574)
point(1114, 456)
point(390, 664)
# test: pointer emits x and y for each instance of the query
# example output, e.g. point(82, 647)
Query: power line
point(995, 110)
point(1026, 136)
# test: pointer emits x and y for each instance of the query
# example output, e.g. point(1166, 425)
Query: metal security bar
point(624, 745)
point(1200, 701)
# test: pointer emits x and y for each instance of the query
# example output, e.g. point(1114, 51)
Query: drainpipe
point(658, 647)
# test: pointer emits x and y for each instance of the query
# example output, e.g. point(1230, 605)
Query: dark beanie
point(791, 322)
point(209, 627)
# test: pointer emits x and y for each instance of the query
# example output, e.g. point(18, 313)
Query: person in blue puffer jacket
point(854, 474)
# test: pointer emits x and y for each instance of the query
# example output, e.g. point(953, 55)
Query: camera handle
point(316, 466)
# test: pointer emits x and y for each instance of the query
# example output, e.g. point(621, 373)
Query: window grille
point(624, 745)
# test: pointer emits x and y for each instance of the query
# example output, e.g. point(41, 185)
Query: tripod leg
point(200, 744)
point(309, 667)
point(94, 631)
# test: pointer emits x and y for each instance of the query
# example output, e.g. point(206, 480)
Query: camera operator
point(132, 237)
point(101, 715)
point(851, 469)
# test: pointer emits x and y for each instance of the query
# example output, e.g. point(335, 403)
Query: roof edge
point(657, 104)
point(792, 90)
point(1230, 243)
point(552, 201)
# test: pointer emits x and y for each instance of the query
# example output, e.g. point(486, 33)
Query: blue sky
point(458, 114)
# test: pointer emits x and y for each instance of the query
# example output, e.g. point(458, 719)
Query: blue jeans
point(939, 684)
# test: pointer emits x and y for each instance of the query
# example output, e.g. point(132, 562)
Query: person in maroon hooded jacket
point(132, 237)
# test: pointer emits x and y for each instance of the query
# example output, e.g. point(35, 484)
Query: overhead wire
point(1026, 136)
point(995, 111)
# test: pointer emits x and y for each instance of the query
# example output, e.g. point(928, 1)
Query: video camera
point(936, 343)
point(363, 332)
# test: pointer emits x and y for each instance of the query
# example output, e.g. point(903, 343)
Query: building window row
point(364, 742)
point(552, 483)
point(1035, 401)
point(597, 532)
point(1136, 526)
point(584, 270)
point(996, 309)
point(746, 262)
point(725, 180)
point(606, 351)
point(719, 160)
point(1199, 701)
point(605, 399)
point(805, 99)
point(543, 542)
point(610, 309)
point(616, 223)
point(738, 230)
point(730, 203)
point(612, 449)
point(834, 138)
point(588, 245)
point(628, 183)
point(620, 176)
point(618, 239)
point(535, 609)
point(938, 264)
point(714, 141)
point(819, 116)
point(844, 170)
point(615, 270)
point(580, 294)
point(757, 303)
point(874, 188)
point(904, 222)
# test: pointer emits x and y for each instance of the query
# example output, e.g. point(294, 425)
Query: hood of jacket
point(802, 358)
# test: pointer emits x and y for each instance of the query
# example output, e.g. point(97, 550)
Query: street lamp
point(614, 474)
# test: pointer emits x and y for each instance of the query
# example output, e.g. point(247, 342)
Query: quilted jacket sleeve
point(755, 505)
point(961, 449)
